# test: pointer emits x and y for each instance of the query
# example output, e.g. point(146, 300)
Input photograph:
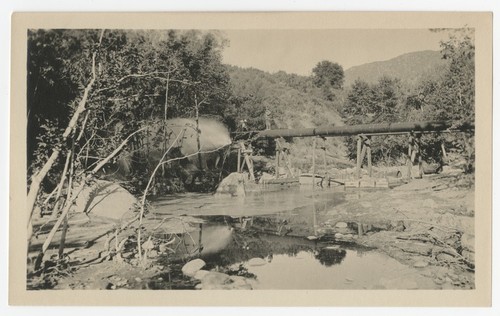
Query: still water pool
point(267, 239)
point(356, 270)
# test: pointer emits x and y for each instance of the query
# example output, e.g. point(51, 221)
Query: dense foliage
point(142, 77)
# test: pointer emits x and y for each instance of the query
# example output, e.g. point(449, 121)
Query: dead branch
point(82, 129)
point(70, 201)
point(153, 74)
point(415, 238)
point(143, 200)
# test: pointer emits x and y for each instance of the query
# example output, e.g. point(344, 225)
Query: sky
point(298, 51)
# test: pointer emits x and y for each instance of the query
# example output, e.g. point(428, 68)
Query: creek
point(275, 240)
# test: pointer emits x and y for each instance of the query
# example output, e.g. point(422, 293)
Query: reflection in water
point(315, 219)
point(208, 239)
point(304, 271)
point(331, 255)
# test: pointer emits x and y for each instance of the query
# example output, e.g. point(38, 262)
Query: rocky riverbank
point(426, 224)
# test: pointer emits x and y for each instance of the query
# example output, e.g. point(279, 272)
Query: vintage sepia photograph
point(219, 158)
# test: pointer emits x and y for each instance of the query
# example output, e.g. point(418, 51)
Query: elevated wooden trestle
point(364, 132)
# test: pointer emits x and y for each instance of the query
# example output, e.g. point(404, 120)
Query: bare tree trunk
point(165, 121)
point(166, 99)
point(198, 132)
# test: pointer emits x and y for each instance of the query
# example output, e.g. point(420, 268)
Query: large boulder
point(106, 199)
point(193, 266)
point(232, 185)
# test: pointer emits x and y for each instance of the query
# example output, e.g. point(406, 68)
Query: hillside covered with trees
point(294, 102)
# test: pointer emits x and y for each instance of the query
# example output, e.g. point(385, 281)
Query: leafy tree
point(328, 73)
point(388, 96)
point(455, 97)
point(360, 104)
point(329, 77)
point(450, 97)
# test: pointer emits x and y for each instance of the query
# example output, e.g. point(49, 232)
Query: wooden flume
point(364, 132)
point(366, 129)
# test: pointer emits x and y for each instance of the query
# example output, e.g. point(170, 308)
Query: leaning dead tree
point(73, 197)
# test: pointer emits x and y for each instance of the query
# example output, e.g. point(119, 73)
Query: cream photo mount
point(481, 22)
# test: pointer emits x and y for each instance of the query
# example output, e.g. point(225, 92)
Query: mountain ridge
point(410, 68)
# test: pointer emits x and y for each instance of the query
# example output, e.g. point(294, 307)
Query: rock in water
point(190, 268)
point(232, 185)
point(256, 262)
